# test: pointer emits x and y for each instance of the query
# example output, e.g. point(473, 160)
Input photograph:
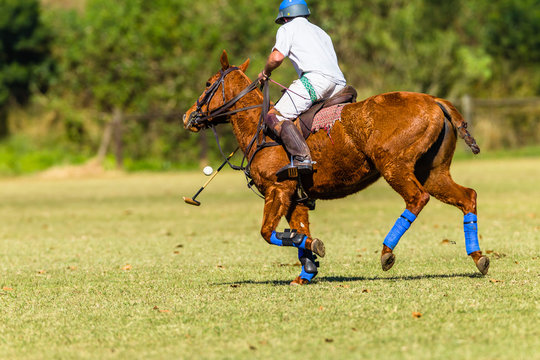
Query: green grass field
point(119, 267)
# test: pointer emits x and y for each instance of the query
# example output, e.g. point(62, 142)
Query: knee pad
point(290, 237)
point(272, 123)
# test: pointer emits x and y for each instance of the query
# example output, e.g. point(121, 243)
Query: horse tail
point(456, 119)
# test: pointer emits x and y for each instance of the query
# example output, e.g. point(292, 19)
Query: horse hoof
point(387, 261)
point(317, 246)
point(483, 265)
point(299, 281)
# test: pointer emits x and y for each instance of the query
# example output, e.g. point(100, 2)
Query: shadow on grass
point(395, 278)
point(332, 279)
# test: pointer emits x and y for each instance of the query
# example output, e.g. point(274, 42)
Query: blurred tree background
point(77, 74)
point(25, 57)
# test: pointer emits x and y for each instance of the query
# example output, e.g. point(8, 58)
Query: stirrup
point(289, 171)
point(305, 168)
point(294, 169)
point(302, 197)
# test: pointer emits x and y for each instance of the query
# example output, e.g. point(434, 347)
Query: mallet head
point(191, 201)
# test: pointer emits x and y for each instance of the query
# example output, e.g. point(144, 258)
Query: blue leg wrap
point(306, 276)
point(307, 259)
point(402, 224)
point(274, 240)
point(470, 226)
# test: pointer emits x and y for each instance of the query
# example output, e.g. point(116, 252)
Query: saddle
point(345, 96)
point(309, 123)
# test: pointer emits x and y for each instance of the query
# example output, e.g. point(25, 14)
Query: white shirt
point(309, 48)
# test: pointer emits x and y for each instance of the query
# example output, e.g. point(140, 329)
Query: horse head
point(212, 106)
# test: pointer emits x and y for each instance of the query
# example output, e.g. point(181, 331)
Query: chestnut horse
point(407, 138)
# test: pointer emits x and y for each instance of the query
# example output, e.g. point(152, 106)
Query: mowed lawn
point(120, 267)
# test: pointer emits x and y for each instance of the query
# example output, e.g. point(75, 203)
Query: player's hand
point(262, 77)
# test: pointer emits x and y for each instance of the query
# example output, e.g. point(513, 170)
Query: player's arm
point(274, 60)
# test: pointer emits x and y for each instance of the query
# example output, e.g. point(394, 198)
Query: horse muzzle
point(191, 122)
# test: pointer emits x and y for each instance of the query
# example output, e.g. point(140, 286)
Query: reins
point(286, 88)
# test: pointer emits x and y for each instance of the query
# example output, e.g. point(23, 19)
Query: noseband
point(206, 119)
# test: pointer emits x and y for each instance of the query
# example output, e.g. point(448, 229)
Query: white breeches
point(291, 105)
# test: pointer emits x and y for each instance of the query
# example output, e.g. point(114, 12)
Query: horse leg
point(277, 203)
point(298, 218)
point(403, 181)
point(440, 184)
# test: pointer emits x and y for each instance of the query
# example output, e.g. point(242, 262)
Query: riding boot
point(296, 146)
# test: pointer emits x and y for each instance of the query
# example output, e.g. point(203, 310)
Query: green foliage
point(25, 63)
point(107, 57)
point(141, 57)
point(22, 155)
point(512, 29)
point(413, 45)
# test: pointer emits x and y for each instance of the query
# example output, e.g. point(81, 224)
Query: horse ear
point(244, 66)
point(224, 60)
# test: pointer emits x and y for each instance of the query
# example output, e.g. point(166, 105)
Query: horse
point(406, 138)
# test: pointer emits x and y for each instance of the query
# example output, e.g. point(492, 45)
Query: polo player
point(312, 54)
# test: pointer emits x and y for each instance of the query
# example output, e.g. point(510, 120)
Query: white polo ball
point(208, 170)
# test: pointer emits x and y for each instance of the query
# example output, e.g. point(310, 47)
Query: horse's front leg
point(298, 218)
point(278, 201)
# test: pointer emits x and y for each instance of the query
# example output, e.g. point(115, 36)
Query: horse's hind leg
point(298, 218)
point(401, 178)
point(439, 183)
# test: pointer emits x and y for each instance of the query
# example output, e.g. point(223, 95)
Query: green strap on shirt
point(309, 88)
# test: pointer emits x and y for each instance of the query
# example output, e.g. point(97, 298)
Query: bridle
point(202, 119)
point(210, 118)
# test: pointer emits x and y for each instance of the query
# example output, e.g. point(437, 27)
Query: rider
point(312, 54)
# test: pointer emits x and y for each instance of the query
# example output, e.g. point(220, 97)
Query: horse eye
point(208, 84)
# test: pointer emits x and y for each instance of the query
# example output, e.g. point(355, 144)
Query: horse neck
point(244, 123)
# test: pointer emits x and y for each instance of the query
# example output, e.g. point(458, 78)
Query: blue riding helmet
point(290, 9)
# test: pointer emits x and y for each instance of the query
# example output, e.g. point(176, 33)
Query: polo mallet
point(192, 201)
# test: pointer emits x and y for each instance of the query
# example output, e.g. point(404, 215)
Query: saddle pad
point(326, 118)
